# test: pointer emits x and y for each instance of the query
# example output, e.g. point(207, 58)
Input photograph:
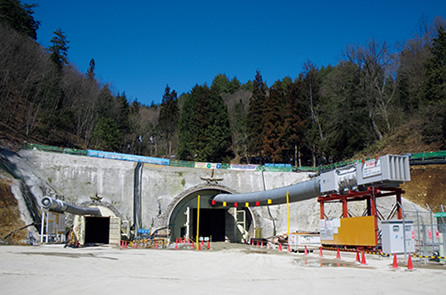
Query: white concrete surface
point(52, 269)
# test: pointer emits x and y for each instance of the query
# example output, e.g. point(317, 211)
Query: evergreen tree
point(344, 114)
point(204, 126)
point(168, 118)
point(218, 131)
point(435, 92)
point(59, 49)
point(19, 17)
point(272, 122)
point(90, 71)
point(294, 113)
point(188, 126)
point(255, 115)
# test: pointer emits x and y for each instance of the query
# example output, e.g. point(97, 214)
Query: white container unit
point(394, 232)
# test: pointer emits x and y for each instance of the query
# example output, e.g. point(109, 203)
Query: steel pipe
point(59, 206)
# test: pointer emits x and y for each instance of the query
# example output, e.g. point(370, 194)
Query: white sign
point(371, 168)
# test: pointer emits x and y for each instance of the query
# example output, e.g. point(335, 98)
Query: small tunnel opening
point(212, 224)
point(97, 230)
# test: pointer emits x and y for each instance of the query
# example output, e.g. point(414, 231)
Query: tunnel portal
point(218, 224)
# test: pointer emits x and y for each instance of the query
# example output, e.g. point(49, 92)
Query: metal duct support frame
point(59, 206)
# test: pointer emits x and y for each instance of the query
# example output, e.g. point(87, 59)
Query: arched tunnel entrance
point(216, 223)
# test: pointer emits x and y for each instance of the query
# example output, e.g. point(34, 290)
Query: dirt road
point(52, 269)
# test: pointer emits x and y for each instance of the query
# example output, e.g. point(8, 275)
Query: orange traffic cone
point(193, 245)
point(395, 261)
point(199, 246)
point(156, 245)
point(409, 263)
point(209, 245)
point(261, 245)
point(289, 249)
point(306, 251)
point(176, 246)
point(280, 247)
point(136, 244)
point(363, 258)
point(320, 252)
point(338, 254)
point(357, 256)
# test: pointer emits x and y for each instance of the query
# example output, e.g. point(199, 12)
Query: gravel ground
point(225, 269)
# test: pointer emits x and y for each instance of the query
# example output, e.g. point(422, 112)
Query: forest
point(378, 95)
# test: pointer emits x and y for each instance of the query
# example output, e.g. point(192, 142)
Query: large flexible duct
point(297, 192)
point(59, 206)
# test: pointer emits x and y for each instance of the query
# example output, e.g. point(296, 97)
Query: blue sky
point(140, 46)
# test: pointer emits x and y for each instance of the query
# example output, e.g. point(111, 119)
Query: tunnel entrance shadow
point(97, 230)
point(212, 224)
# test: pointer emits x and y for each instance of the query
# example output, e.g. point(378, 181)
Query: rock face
point(82, 180)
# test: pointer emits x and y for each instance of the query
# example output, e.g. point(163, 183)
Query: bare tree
point(377, 72)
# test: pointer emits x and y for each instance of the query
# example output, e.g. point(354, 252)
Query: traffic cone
point(289, 249)
point(193, 245)
point(363, 258)
point(395, 261)
point(357, 257)
point(261, 245)
point(409, 263)
point(156, 245)
point(136, 244)
point(338, 254)
point(320, 252)
point(199, 246)
point(306, 251)
point(280, 247)
point(252, 242)
point(209, 245)
point(257, 244)
point(176, 246)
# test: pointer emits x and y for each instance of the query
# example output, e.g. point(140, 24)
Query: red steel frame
point(370, 195)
